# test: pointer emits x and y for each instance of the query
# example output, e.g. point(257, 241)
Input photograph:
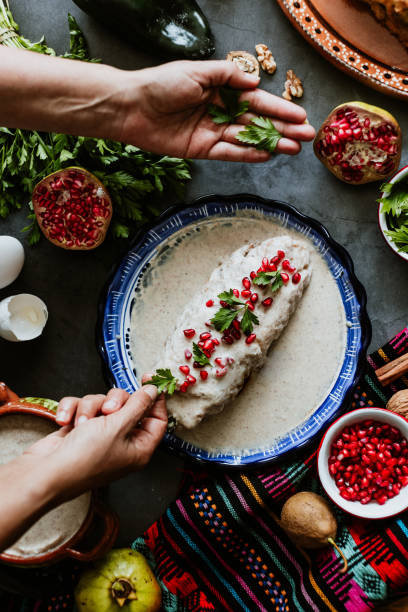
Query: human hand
point(102, 438)
point(167, 112)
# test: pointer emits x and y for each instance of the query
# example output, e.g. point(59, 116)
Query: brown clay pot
point(11, 404)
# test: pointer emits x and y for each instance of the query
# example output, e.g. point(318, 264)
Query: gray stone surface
point(64, 360)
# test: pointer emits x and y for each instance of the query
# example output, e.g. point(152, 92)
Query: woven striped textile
point(219, 547)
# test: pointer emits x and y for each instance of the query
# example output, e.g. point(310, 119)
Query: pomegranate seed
point(252, 274)
point(203, 374)
point(209, 303)
point(275, 260)
point(236, 334)
point(250, 338)
point(227, 339)
point(191, 379)
point(236, 292)
point(281, 255)
point(220, 362)
point(267, 302)
point(189, 333)
point(201, 344)
point(250, 305)
point(296, 278)
point(188, 354)
point(208, 345)
point(236, 324)
point(265, 263)
point(208, 324)
point(246, 293)
point(254, 298)
point(184, 369)
point(216, 342)
point(205, 336)
point(272, 267)
point(221, 372)
point(286, 266)
point(285, 277)
point(184, 387)
point(224, 304)
point(246, 282)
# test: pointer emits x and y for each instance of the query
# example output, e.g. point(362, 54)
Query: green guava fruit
point(122, 579)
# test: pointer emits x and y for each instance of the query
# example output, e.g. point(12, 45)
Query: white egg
point(11, 260)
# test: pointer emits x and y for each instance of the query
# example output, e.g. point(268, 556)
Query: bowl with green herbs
point(393, 212)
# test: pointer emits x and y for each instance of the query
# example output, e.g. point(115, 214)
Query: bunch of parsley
point(137, 181)
point(394, 204)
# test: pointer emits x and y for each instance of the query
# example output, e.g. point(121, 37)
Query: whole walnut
point(399, 403)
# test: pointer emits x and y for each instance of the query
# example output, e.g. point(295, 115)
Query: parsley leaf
point(164, 381)
point(396, 199)
point(199, 356)
point(230, 298)
point(248, 321)
point(223, 318)
point(274, 279)
point(261, 133)
point(400, 238)
point(232, 108)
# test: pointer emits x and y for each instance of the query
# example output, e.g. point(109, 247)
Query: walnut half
point(293, 86)
point(245, 61)
point(265, 58)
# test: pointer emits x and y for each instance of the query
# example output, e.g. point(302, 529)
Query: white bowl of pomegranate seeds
point(402, 174)
point(363, 463)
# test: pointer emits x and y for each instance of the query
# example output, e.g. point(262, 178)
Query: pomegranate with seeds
point(73, 209)
point(359, 143)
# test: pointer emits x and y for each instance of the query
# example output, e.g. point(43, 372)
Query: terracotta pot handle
point(6, 394)
point(111, 526)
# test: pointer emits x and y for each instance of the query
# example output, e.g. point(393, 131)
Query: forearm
point(61, 95)
point(26, 493)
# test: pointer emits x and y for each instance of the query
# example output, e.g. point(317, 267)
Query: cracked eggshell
point(22, 317)
point(11, 260)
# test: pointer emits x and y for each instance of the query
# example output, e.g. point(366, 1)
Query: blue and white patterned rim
point(115, 308)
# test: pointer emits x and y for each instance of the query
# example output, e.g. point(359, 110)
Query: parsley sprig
point(224, 317)
point(199, 356)
point(232, 109)
point(274, 279)
point(262, 133)
point(164, 381)
point(394, 204)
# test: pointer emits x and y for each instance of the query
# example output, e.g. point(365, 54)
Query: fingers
point(66, 410)
point(215, 73)
point(263, 103)
point(235, 153)
point(135, 408)
point(289, 146)
point(115, 399)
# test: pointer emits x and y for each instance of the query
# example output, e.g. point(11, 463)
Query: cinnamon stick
point(392, 370)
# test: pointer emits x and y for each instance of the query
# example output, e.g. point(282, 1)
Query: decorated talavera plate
point(122, 293)
point(346, 33)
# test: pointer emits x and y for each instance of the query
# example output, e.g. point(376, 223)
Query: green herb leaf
point(261, 133)
point(230, 298)
point(199, 356)
point(274, 279)
point(232, 109)
point(249, 319)
point(164, 381)
point(400, 238)
point(396, 200)
point(223, 318)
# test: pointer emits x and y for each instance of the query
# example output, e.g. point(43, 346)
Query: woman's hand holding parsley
point(102, 438)
point(162, 109)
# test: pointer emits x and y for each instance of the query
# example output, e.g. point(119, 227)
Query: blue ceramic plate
point(115, 308)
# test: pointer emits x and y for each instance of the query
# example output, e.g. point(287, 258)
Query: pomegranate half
point(73, 209)
point(359, 143)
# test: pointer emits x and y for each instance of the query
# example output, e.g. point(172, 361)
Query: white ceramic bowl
point(372, 510)
point(382, 222)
